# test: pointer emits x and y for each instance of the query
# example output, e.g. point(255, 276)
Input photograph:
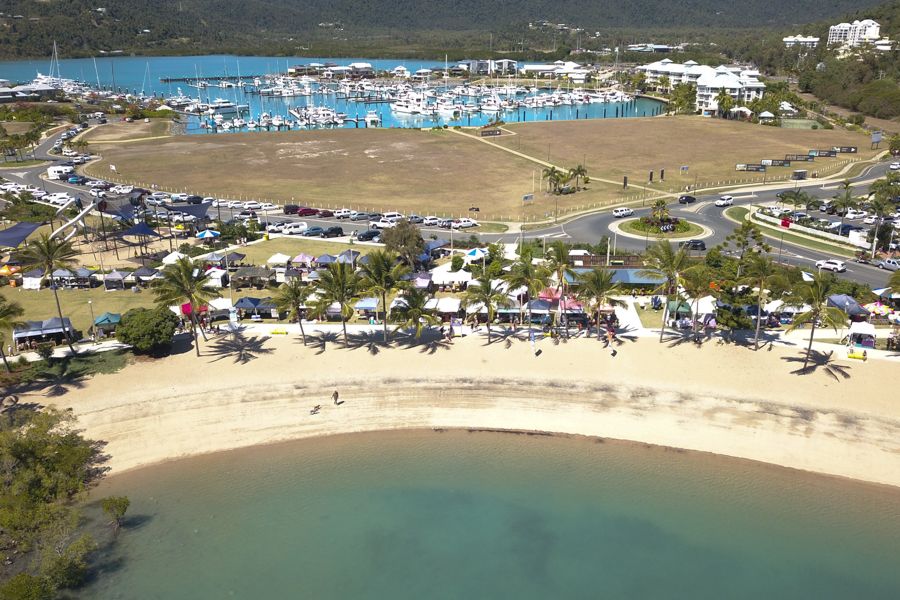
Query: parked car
point(359, 216)
point(430, 221)
point(895, 166)
point(369, 235)
point(623, 211)
point(246, 214)
point(686, 199)
point(693, 245)
point(325, 213)
point(891, 264)
point(98, 193)
point(268, 206)
point(235, 204)
point(314, 232)
point(291, 209)
point(251, 205)
point(77, 180)
point(342, 213)
point(305, 211)
point(415, 219)
point(178, 197)
point(295, 228)
point(275, 227)
point(333, 231)
point(392, 216)
point(464, 223)
point(853, 214)
point(381, 224)
point(725, 201)
point(194, 199)
point(831, 264)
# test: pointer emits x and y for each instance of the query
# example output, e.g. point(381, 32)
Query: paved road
point(589, 228)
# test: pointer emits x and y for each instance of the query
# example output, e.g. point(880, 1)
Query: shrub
point(456, 263)
point(45, 350)
point(148, 331)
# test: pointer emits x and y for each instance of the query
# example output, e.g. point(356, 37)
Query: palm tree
point(844, 201)
point(9, 316)
point(483, 292)
point(766, 276)
point(291, 298)
point(381, 275)
point(880, 206)
point(660, 210)
point(553, 176)
point(666, 263)
point(49, 254)
point(663, 83)
point(696, 282)
point(183, 283)
point(815, 293)
point(338, 284)
point(724, 102)
point(596, 287)
point(577, 172)
point(524, 273)
point(411, 313)
point(558, 264)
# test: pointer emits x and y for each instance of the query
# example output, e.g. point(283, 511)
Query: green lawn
point(692, 231)
point(40, 305)
point(651, 319)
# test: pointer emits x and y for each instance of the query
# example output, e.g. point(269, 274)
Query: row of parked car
point(18, 190)
point(829, 225)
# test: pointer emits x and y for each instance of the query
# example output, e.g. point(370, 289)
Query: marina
point(325, 94)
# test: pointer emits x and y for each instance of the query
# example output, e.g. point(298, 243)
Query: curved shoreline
point(236, 417)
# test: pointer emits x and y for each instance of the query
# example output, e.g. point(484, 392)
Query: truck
point(799, 175)
point(62, 172)
point(891, 264)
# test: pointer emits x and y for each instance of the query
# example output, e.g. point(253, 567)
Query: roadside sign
point(527, 197)
point(684, 169)
point(876, 137)
point(490, 132)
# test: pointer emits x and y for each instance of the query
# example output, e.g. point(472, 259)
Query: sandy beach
point(716, 398)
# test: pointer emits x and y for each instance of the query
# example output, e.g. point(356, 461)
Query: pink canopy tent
point(304, 259)
point(550, 294)
point(570, 305)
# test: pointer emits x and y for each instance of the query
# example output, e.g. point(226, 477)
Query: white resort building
point(800, 40)
point(741, 84)
point(854, 34)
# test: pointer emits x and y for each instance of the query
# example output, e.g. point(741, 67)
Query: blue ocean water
point(142, 75)
point(484, 515)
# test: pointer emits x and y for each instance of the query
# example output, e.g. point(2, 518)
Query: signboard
point(847, 149)
point(527, 197)
point(877, 137)
point(827, 153)
point(775, 162)
point(798, 157)
point(754, 168)
point(490, 132)
point(684, 169)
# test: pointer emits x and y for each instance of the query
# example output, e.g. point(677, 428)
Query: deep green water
point(482, 515)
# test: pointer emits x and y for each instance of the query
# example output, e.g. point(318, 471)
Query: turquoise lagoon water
point(139, 74)
point(487, 515)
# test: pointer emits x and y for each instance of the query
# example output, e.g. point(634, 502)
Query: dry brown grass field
point(444, 173)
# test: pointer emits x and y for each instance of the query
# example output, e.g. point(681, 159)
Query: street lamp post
point(93, 323)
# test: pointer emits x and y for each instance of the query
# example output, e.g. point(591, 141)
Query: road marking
point(560, 235)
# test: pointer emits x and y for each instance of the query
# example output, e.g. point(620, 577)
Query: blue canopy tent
point(15, 235)
point(107, 321)
point(258, 306)
point(139, 230)
point(54, 328)
point(115, 280)
point(366, 306)
point(348, 256)
point(326, 259)
point(849, 305)
point(622, 276)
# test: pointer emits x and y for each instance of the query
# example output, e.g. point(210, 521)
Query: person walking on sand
point(610, 337)
point(334, 397)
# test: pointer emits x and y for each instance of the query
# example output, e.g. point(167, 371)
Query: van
point(393, 217)
point(296, 228)
point(622, 212)
point(59, 172)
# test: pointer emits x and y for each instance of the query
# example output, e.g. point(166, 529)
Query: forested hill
point(28, 27)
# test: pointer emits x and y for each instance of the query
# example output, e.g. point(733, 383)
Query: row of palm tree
point(557, 178)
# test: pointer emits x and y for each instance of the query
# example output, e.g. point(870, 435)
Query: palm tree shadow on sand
point(372, 341)
point(240, 348)
point(429, 342)
point(56, 379)
point(819, 360)
point(321, 340)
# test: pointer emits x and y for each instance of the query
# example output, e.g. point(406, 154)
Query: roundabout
point(637, 229)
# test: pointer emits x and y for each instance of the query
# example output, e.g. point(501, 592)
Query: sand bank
point(716, 398)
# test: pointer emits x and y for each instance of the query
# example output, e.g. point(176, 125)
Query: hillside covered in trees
point(84, 27)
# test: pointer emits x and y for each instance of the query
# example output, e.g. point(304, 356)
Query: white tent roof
point(220, 304)
point(278, 259)
point(862, 328)
point(766, 115)
point(444, 305)
point(443, 277)
point(172, 258)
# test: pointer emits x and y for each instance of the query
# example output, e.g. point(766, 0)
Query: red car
point(325, 213)
point(305, 211)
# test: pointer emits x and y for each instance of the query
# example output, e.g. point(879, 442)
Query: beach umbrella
point(476, 254)
point(877, 308)
point(207, 234)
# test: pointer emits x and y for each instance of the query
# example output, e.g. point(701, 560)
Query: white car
point(98, 193)
point(895, 166)
point(622, 211)
point(342, 213)
point(180, 217)
point(121, 189)
point(725, 201)
point(295, 228)
point(834, 265)
point(267, 206)
point(99, 182)
point(870, 220)
point(381, 224)
point(464, 223)
point(233, 204)
point(275, 227)
point(855, 214)
point(251, 205)
point(430, 221)
point(393, 217)
point(38, 193)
